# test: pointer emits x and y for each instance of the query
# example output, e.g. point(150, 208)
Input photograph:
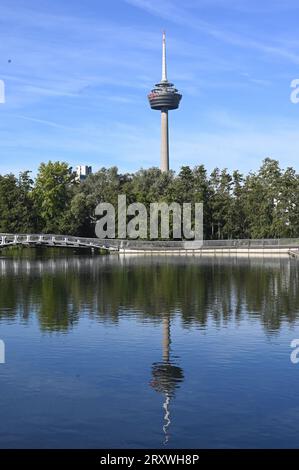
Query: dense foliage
point(264, 204)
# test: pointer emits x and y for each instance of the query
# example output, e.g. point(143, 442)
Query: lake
point(148, 352)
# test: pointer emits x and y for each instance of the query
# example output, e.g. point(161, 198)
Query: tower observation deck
point(164, 97)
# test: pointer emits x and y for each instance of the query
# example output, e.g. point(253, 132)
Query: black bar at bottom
point(142, 458)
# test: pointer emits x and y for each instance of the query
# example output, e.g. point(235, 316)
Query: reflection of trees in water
point(59, 290)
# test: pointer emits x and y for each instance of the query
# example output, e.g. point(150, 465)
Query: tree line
point(262, 204)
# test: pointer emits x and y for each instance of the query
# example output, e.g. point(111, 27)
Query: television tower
point(164, 97)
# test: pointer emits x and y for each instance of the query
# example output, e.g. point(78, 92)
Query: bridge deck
point(63, 241)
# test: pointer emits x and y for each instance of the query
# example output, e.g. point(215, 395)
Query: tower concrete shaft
point(164, 141)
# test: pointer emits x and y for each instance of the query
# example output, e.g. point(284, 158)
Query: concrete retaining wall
point(254, 251)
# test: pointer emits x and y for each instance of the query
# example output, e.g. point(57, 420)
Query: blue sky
point(77, 75)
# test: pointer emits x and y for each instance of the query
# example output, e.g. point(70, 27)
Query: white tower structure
point(164, 97)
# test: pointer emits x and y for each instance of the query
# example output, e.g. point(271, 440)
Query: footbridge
point(62, 241)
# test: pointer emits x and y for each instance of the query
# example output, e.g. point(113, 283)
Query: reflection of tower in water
point(166, 376)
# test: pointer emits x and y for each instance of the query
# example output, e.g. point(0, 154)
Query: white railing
point(8, 239)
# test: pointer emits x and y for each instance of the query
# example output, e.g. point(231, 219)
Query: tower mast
point(164, 115)
point(164, 69)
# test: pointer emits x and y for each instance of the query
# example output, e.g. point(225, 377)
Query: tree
point(103, 186)
point(202, 193)
point(221, 185)
point(237, 225)
point(17, 213)
point(52, 195)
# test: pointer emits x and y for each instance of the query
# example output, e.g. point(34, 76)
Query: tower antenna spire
point(164, 69)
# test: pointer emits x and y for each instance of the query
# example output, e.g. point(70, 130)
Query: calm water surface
point(111, 352)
